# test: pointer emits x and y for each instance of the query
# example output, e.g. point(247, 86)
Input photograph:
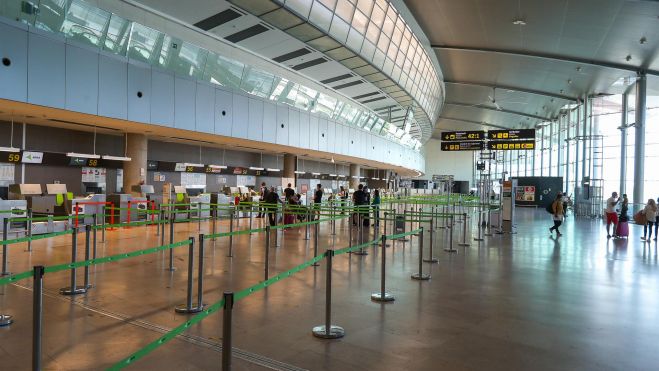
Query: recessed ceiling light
point(643, 40)
point(519, 22)
point(569, 81)
point(578, 68)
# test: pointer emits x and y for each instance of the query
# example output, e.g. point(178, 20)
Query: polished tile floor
point(515, 302)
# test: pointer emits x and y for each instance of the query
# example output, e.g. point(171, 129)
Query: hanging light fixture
point(258, 168)
point(275, 169)
point(11, 147)
point(86, 155)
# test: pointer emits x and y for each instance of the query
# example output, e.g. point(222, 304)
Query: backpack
point(550, 208)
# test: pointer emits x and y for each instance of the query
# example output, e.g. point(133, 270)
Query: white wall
point(458, 164)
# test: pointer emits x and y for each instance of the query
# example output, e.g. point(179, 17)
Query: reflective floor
point(515, 302)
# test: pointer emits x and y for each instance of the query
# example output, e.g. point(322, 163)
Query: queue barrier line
point(302, 224)
point(47, 218)
point(35, 237)
point(16, 277)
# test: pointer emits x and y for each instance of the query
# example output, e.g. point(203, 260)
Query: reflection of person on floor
point(557, 216)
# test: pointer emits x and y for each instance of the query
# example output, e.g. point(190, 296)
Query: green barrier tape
point(234, 233)
point(16, 277)
point(114, 258)
point(46, 218)
point(259, 286)
point(357, 247)
point(168, 336)
point(395, 236)
point(35, 237)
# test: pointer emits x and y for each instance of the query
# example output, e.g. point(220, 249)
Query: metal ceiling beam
point(471, 122)
point(514, 88)
point(498, 110)
point(554, 57)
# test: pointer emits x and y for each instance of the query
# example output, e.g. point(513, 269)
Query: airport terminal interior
point(329, 185)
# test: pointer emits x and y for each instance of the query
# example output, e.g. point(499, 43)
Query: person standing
point(611, 215)
point(318, 199)
point(376, 208)
point(358, 200)
point(650, 212)
point(557, 216)
point(272, 198)
point(289, 192)
point(264, 192)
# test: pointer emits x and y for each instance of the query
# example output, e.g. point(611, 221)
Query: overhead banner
point(30, 157)
point(455, 136)
point(519, 145)
point(511, 134)
point(463, 146)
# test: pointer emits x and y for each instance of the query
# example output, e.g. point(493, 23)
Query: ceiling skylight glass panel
point(116, 36)
point(257, 82)
point(388, 26)
point(344, 9)
point(305, 96)
point(377, 16)
point(324, 105)
point(85, 23)
point(223, 71)
point(321, 16)
point(300, 6)
point(365, 6)
point(143, 41)
point(50, 16)
point(339, 29)
point(373, 32)
point(328, 3)
point(291, 93)
point(191, 60)
point(360, 22)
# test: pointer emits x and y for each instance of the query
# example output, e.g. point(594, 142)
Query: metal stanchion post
point(450, 237)
point(215, 215)
point(328, 331)
point(251, 209)
point(360, 228)
point(187, 307)
point(199, 217)
point(200, 273)
point(267, 253)
point(37, 315)
point(88, 229)
point(333, 213)
point(226, 331)
point(306, 227)
point(94, 236)
point(464, 231)
point(29, 230)
point(431, 258)
point(103, 224)
point(420, 276)
point(172, 218)
point(489, 225)
point(231, 216)
point(5, 232)
point(74, 289)
point(382, 296)
point(316, 229)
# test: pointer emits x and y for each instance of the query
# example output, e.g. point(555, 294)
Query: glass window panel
point(22, 11)
point(321, 16)
point(400, 59)
point(223, 71)
point(398, 33)
point(378, 58)
point(168, 51)
point(279, 89)
point(116, 37)
point(339, 29)
point(305, 96)
point(393, 51)
point(143, 41)
point(290, 93)
point(85, 23)
point(360, 21)
point(391, 12)
point(257, 82)
point(368, 49)
point(344, 10)
point(50, 14)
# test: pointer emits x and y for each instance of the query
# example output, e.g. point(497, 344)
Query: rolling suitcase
point(623, 229)
point(289, 218)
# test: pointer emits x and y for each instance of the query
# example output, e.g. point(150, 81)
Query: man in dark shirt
point(289, 192)
point(317, 199)
point(264, 192)
point(271, 205)
point(358, 199)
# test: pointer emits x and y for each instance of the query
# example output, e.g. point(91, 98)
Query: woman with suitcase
point(622, 229)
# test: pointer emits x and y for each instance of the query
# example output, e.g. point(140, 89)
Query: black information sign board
point(511, 134)
point(512, 145)
point(455, 136)
point(12, 157)
point(463, 146)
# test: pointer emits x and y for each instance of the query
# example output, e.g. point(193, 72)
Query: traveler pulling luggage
point(622, 230)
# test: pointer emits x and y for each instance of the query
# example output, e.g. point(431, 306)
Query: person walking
point(358, 201)
point(650, 212)
point(376, 208)
point(611, 215)
point(264, 192)
point(557, 216)
point(317, 200)
point(272, 200)
point(656, 223)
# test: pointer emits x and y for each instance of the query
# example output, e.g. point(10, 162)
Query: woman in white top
point(650, 214)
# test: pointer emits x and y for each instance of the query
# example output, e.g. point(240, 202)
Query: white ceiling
point(560, 51)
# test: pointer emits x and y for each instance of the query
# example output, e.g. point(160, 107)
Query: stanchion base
point(183, 309)
point(464, 244)
point(5, 320)
point(335, 332)
point(315, 265)
point(361, 252)
point(488, 234)
point(479, 239)
point(402, 240)
point(420, 277)
point(450, 250)
point(5, 274)
point(431, 260)
point(172, 269)
point(75, 291)
point(378, 297)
